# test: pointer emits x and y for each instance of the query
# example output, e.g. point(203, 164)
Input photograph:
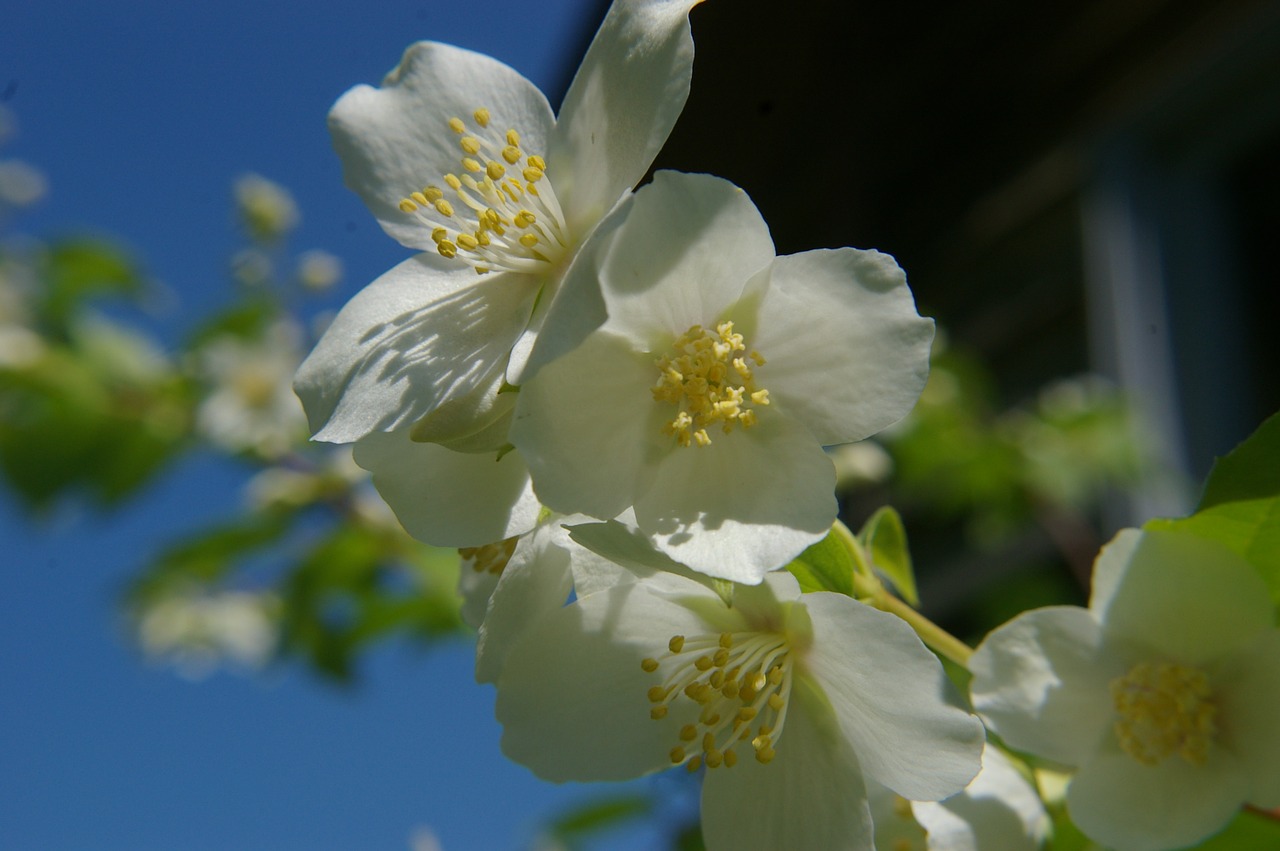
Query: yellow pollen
point(657, 713)
point(677, 755)
point(710, 384)
point(1164, 708)
point(490, 200)
point(755, 688)
point(490, 558)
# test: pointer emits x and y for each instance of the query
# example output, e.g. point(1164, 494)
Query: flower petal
point(1180, 594)
point(1042, 682)
point(998, 811)
point(847, 353)
point(1129, 806)
point(447, 498)
point(586, 424)
point(1248, 691)
point(536, 581)
point(748, 503)
point(685, 253)
point(621, 106)
point(572, 695)
point(417, 337)
point(811, 796)
point(891, 698)
point(395, 140)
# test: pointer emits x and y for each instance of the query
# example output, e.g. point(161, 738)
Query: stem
point(934, 636)
point(870, 589)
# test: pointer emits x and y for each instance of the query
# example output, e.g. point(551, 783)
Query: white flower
point(251, 406)
point(998, 811)
point(1163, 693)
point(510, 585)
point(714, 375)
point(460, 156)
point(449, 498)
point(788, 700)
point(318, 270)
point(198, 631)
point(266, 208)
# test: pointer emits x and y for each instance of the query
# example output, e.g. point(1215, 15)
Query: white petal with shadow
point(417, 337)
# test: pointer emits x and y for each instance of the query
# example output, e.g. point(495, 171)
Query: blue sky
point(142, 114)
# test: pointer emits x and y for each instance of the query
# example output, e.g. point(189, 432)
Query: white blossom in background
point(266, 208)
point(21, 184)
point(789, 701)
point(250, 406)
point(200, 631)
point(696, 377)
point(20, 344)
point(998, 811)
point(1162, 694)
point(318, 270)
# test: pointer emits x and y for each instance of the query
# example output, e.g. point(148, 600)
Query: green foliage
point(1240, 507)
point(349, 590)
point(885, 540)
point(597, 816)
point(73, 271)
point(959, 456)
point(98, 414)
point(825, 566)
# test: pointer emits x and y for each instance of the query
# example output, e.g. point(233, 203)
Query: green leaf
point(76, 269)
point(1240, 507)
point(1248, 831)
point(825, 566)
point(600, 815)
point(884, 537)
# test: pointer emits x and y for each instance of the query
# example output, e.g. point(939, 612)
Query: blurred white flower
point(21, 184)
point(318, 270)
point(266, 208)
point(252, 267)
point(199, 631)
point(998, 811)
point(251, 406)
point(863, 463)
point(1162, 693)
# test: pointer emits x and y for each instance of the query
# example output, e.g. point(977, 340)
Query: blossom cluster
point(615, 401)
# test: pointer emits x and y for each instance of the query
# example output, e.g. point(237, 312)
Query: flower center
point(506, 216)
point(710, 381)
point(491, 558)
point(742, 680)
point(1164, 708)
